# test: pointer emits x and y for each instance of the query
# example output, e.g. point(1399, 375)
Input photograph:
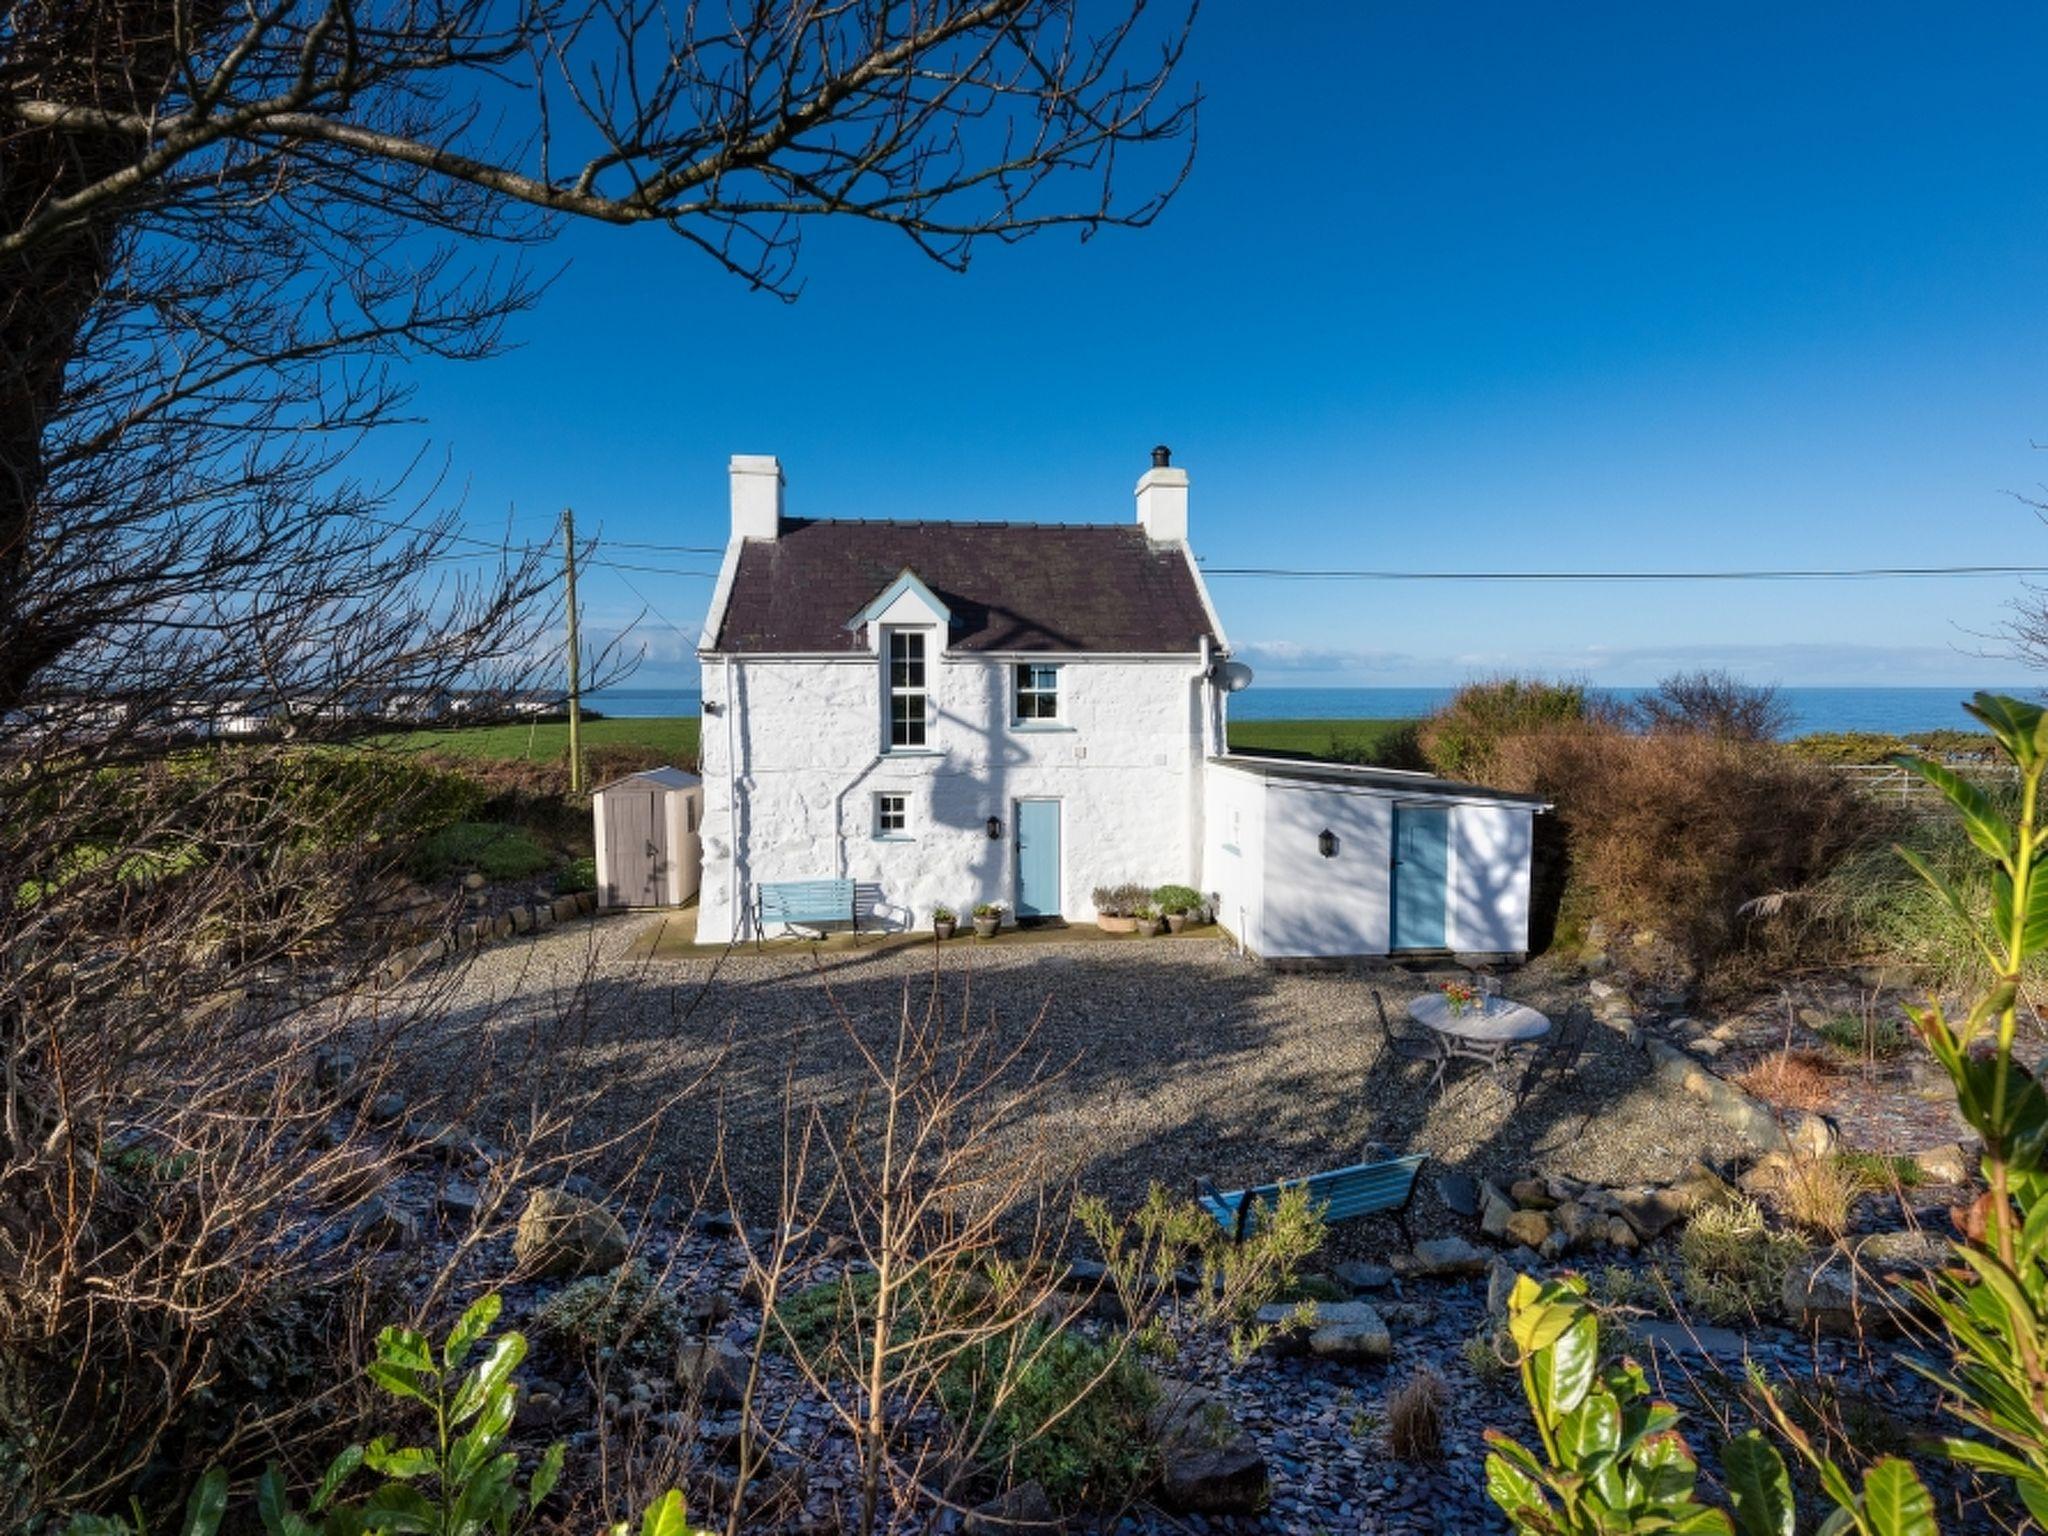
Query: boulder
point(1651, 1212)
point(1459, 1192)
point(1495, 1212)
point(1358, 1334)
point(1020, 1511)
point(716, 1373)
point(1580, 1224)
point(1528, 1228)
point(1857, 1287)
point(1361, 1276)
point(561, 1234)
point(1950, 1164)
point(1621, 1235)
point(1811, 1135)
point(1532, 1194)
point(1208, 1465)
point(1447, 1256)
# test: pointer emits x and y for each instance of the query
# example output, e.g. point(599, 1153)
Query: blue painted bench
point(1363, 1189)
point(805, 901)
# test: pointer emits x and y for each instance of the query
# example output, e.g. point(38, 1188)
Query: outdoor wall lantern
point(995, 829)
point(1328, 843)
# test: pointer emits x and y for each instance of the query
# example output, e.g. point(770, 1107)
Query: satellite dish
point(1231, 676)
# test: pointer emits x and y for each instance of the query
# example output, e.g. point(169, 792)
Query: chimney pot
point(1161, 456)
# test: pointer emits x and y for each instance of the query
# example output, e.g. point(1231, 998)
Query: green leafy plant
point(1612, 1463)
point(1177, 898)
point(1735, 1263)
point(1880, 1039)
point(944, 915)
point(465, 1483)
point(578, 874)
point(494, 849)
point(988, 909)
point(1995, 1305)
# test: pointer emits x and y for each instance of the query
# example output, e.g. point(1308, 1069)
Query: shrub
point(1461, 737)
point(1177, 898)
point(1877, 1172)
point(1415, 1417)
point(1681, 833)
point(1121, 900)
point(988, 909)
point(1735, 1264)
point(1712, 704)
point(1817, 1193)
point(944, 915)
point(1059, 1409)
point(622, 1312)
point(493, 849)
point(1872, 1036)
point(576, 875)
point(1795, 1079)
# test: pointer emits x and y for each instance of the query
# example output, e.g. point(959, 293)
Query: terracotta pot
point(1175, 921)
point(985, 927)
point(1110, 924)
point(1150, 927)
point(945, 927)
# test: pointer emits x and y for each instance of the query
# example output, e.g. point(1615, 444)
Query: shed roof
point(1309, 770)
point(663, 778)
point(1053, 587)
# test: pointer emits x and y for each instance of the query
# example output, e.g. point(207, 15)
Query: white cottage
point(948, 713)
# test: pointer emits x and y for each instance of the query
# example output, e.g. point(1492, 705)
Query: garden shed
point(650, 845)
point(1316, 860)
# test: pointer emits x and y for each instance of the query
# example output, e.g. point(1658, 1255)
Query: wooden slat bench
point(1363, 1189)
point(789, 902)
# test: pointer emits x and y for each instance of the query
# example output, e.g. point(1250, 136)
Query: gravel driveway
point(1181, 1060)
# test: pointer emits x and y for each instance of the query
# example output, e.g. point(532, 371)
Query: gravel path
point(1179, 1061)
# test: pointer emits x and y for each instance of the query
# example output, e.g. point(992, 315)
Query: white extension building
point(948, 713)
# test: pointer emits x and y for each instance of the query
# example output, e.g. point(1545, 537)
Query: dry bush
point(1415, 1417)
point(1817, 1192)
point(1677, 832)
point(1794, 1079)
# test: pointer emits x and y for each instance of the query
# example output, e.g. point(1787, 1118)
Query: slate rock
point(1208, 1464)
point(1447, 1256)
point(1459, 1192)
point(1024, 1510)
point(1361, 1276)
point(1651, 1212)
point(1350, 1331)
point(715, 1372)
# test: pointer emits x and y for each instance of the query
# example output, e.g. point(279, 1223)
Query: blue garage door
point(1422, 875)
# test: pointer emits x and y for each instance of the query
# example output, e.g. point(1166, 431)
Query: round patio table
point(1490, 1030)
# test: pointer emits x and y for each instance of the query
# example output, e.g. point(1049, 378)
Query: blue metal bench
point(1363, 1189)
point(805, 901)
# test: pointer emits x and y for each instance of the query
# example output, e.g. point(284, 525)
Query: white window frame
point(884, 811)
point(892, 691)
point(1018, 691)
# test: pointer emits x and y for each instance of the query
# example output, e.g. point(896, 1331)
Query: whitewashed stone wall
point(792, 759)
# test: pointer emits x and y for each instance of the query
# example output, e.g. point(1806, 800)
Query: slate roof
point(1052, 587)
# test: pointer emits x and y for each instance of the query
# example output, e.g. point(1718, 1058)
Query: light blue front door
point(1038, 858)
point(1422, 875)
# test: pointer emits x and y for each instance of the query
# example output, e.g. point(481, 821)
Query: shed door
point(1422, 875)
point(636, 844)
point(1038, 858)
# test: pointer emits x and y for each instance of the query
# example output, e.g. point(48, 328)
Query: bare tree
point(1713, 703)
point(224, 229)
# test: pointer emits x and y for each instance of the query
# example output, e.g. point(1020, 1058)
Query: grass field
point(1313, 738)
point(675, 736)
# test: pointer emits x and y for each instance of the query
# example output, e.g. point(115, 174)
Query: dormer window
point(907, 698)
point(1038, 694)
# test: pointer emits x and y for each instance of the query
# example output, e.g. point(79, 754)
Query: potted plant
point(1116, 906)
point(1150, 923)
point(988, 917)
point(1180, 903)
point(945, 922)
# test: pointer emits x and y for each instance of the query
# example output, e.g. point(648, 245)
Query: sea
point(1896, 711)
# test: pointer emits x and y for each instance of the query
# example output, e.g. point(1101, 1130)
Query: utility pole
point(575, 658)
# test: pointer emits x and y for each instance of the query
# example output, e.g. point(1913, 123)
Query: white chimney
point(756, 496)
point(1163, 500)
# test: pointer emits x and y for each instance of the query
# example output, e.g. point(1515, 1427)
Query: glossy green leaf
point(491, 1374)
point(1896, 1502)
point(2021, 728)
point(1981, 820)
point(273, 1506)
point(402, 1462)
point(98, 1525)
point(407, 1348)
point(401, 1510)
point(338, 1472)
point(665, 1517)
point(394, 1379)
point(1534, 1322)
point(546, 1475)
point(1759, 1486)
point(474, 1324)
point(206, 1504)
point(1564, 1371)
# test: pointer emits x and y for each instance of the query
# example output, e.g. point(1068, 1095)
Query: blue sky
point(1479, 286)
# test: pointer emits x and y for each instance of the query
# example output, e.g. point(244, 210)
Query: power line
point(1867, 573)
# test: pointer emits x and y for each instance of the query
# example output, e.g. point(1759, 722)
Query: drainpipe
point(732, 805)
point(1198, 799)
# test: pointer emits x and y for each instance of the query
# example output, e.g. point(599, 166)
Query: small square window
point(892, 815)
point(1038, 692)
